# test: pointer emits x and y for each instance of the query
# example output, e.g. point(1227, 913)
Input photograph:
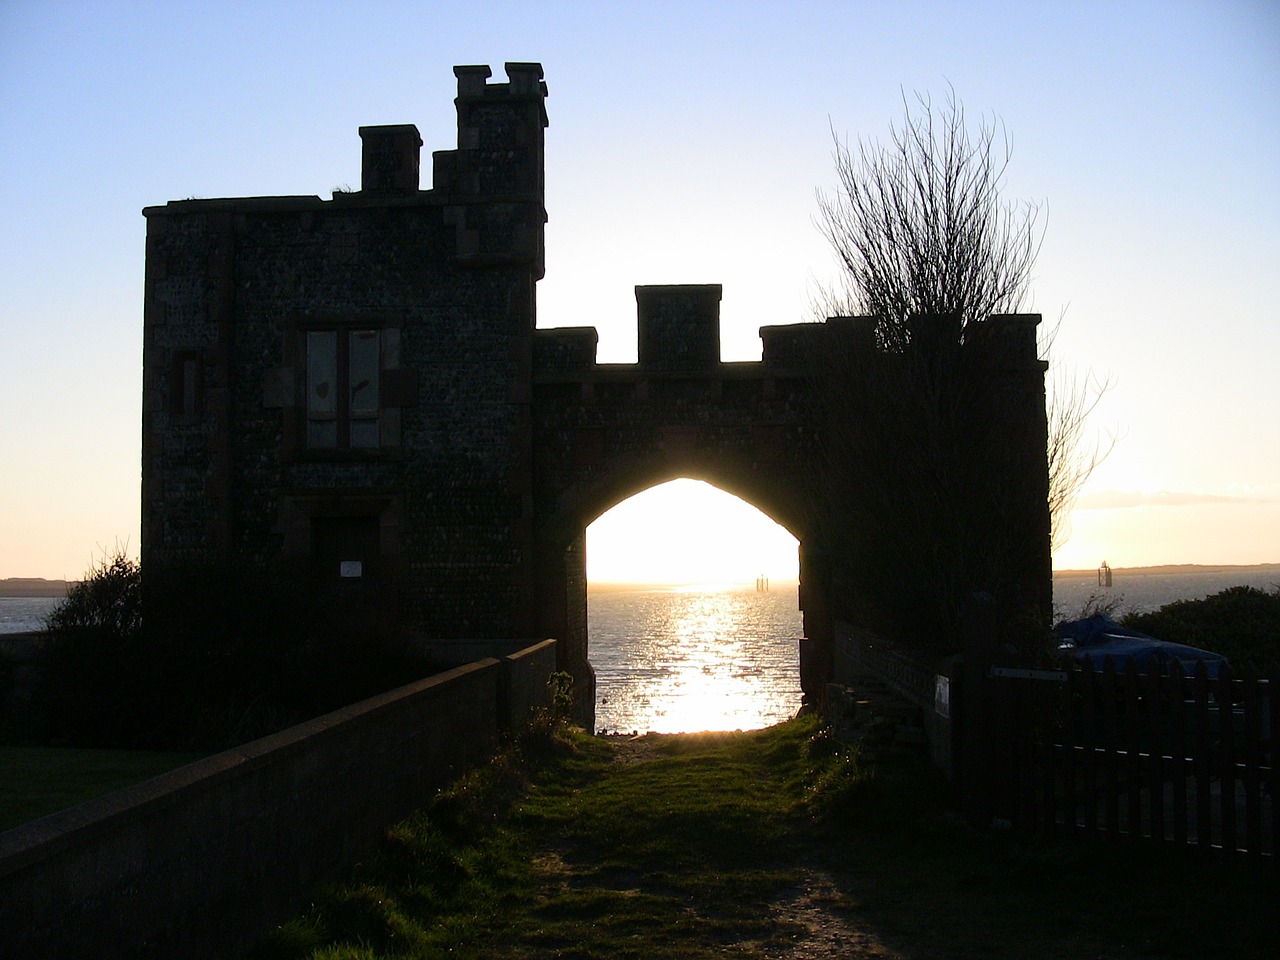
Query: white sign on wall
point(942, 696)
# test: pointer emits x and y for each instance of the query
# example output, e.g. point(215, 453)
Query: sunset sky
point(686, 144)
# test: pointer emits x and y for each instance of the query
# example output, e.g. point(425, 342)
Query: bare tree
point(1071, 398)
point(930, 251)
point(927, 246)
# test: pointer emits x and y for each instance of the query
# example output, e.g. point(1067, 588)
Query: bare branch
point(929, 249)
point(926, 245)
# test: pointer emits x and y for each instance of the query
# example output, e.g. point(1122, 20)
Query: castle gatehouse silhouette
point(356, 387)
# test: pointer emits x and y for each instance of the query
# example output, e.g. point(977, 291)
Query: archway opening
point(693, 619)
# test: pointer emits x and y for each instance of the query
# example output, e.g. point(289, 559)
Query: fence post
point(1252, 757)
point(1087, 680)
point(1111, 739)
point(1224, 694)
point(1177, 700)
point(1202, 758)
point(1155, 751)
point(1271, 727)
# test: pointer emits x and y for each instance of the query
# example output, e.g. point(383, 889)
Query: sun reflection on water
point(694, 658)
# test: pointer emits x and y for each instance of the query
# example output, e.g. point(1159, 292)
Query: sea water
point(684, 659)
point(1135, 592)
point(676, 659)
point(25, 614)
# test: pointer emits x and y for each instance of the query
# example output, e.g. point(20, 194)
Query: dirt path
point(810, 919)
point(629, 750)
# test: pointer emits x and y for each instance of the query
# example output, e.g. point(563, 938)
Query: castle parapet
point(678, 327)
point(561, 350)
point(1014, 335)
point(799, 346)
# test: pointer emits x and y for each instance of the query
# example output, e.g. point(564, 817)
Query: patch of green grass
point(589, 858)
point(37, 781)
point(762, 844)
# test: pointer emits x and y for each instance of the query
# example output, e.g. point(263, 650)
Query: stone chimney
point(390, 158)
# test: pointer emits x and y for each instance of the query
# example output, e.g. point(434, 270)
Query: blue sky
point(686, 144)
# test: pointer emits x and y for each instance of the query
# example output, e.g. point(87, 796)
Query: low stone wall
point(934, 691)
point(526, 688)
point(200, 861)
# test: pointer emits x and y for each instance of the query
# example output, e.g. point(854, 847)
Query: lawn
point(775, 843)
point(36, 781)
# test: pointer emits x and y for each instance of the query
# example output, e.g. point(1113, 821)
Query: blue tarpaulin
point(1099, 637)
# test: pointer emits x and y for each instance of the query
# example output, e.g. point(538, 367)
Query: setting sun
point(687, 531)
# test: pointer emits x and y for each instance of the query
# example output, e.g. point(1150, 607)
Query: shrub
point(1242, 623)
point(99, 683)
point(107, 603)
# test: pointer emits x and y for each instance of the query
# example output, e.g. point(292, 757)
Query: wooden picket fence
point(1189, 760)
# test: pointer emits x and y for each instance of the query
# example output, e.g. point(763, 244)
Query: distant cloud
point(1119, 499)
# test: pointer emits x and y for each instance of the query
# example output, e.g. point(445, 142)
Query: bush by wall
point(1242, 623)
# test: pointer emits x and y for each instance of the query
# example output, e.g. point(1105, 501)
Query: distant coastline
point(33, 587)
point(1158, 570)
point(1172, 569)
point(40, 587)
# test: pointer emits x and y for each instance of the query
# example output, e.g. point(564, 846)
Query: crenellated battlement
point(498, 162)
point(678, 327)
point(500, 141)
point(523, 80)
point(678, 335)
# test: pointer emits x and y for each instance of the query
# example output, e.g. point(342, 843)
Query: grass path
point(774, 843)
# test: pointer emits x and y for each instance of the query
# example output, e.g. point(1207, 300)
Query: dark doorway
point(346, 562)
